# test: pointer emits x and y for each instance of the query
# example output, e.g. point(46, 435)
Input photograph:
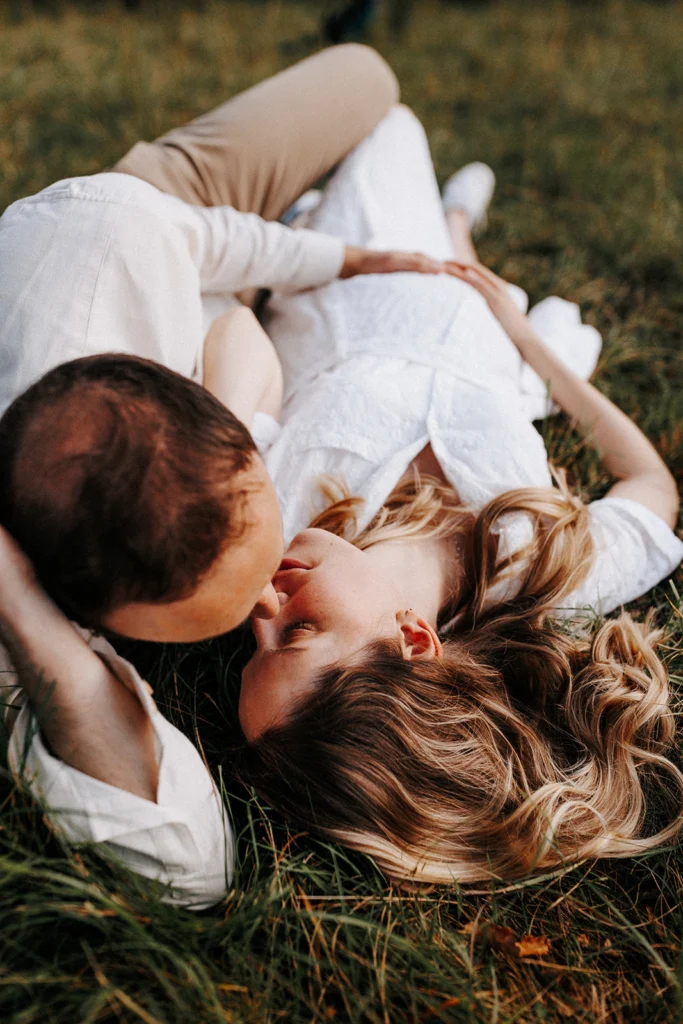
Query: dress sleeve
point(235, 251)
point(634, 550)
point(265, 430)
point(183, 840)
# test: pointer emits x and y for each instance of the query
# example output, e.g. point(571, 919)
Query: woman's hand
point(494, 289)
point(624, 450)
point(368, 261)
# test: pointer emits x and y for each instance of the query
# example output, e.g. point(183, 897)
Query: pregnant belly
point(435, 320)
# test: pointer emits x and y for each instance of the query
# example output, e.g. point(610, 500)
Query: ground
point(578, 108)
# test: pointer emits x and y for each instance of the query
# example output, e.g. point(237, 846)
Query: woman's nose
point(268, 604)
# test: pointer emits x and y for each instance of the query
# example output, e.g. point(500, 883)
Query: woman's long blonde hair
point(525, 747)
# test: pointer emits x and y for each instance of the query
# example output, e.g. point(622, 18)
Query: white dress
point(376, 367)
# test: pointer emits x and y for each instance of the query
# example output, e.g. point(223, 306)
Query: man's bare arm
point(88, 718)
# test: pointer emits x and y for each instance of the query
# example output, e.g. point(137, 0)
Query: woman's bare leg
point(461, 238)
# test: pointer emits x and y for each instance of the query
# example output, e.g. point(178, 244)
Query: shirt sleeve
point(634, 550)
point(183, 840)
point(234, 251)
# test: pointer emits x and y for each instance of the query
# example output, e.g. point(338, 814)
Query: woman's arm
point(624, 450)
point(88, 718)
point(241, 367)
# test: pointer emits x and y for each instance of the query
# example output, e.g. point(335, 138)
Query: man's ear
point(418, 640)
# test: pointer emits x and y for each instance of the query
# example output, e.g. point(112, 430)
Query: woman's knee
point(408, 115)
point(402, 128)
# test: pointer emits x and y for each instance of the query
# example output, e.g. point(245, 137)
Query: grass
point(578, 108)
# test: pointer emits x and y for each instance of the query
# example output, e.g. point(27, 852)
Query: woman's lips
point(291, 563)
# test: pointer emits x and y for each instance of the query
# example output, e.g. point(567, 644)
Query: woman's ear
point(417, 638)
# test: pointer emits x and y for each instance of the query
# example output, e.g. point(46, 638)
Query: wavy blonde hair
point(526, 747)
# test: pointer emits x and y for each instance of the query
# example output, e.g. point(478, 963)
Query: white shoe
point(300, 212)
point(470, 189)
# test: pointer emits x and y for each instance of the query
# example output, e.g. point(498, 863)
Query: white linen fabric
point(184, 840)
point(108, 263)
point(378, 367)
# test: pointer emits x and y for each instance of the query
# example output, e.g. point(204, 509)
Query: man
point(138, 496)
point(141, 261)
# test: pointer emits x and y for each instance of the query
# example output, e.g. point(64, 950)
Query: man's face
point(238, 582)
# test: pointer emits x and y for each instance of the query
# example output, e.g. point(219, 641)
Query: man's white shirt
point(108, 263)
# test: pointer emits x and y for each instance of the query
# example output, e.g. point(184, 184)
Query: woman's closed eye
point(294, 630)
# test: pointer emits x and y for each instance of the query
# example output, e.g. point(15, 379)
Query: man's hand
point(368, 261)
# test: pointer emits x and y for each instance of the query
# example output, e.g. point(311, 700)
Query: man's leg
point(262, 149)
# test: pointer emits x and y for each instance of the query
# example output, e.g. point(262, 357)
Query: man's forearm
point(88, 717)
point(237, 251)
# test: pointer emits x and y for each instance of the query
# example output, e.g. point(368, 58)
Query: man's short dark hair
point(120, 480)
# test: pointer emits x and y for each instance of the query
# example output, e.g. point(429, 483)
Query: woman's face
point(333, 602)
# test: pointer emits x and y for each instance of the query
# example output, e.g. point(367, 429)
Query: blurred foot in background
point(468, 193)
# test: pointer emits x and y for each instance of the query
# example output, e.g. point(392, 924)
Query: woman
point(417, 695)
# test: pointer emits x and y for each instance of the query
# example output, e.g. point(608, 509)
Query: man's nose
point(268, 604)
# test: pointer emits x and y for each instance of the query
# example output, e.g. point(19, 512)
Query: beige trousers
point(262, 149)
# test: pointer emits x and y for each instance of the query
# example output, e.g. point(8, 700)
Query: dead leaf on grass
point(445, 1005)
point(504, 940)
point(533, 945)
